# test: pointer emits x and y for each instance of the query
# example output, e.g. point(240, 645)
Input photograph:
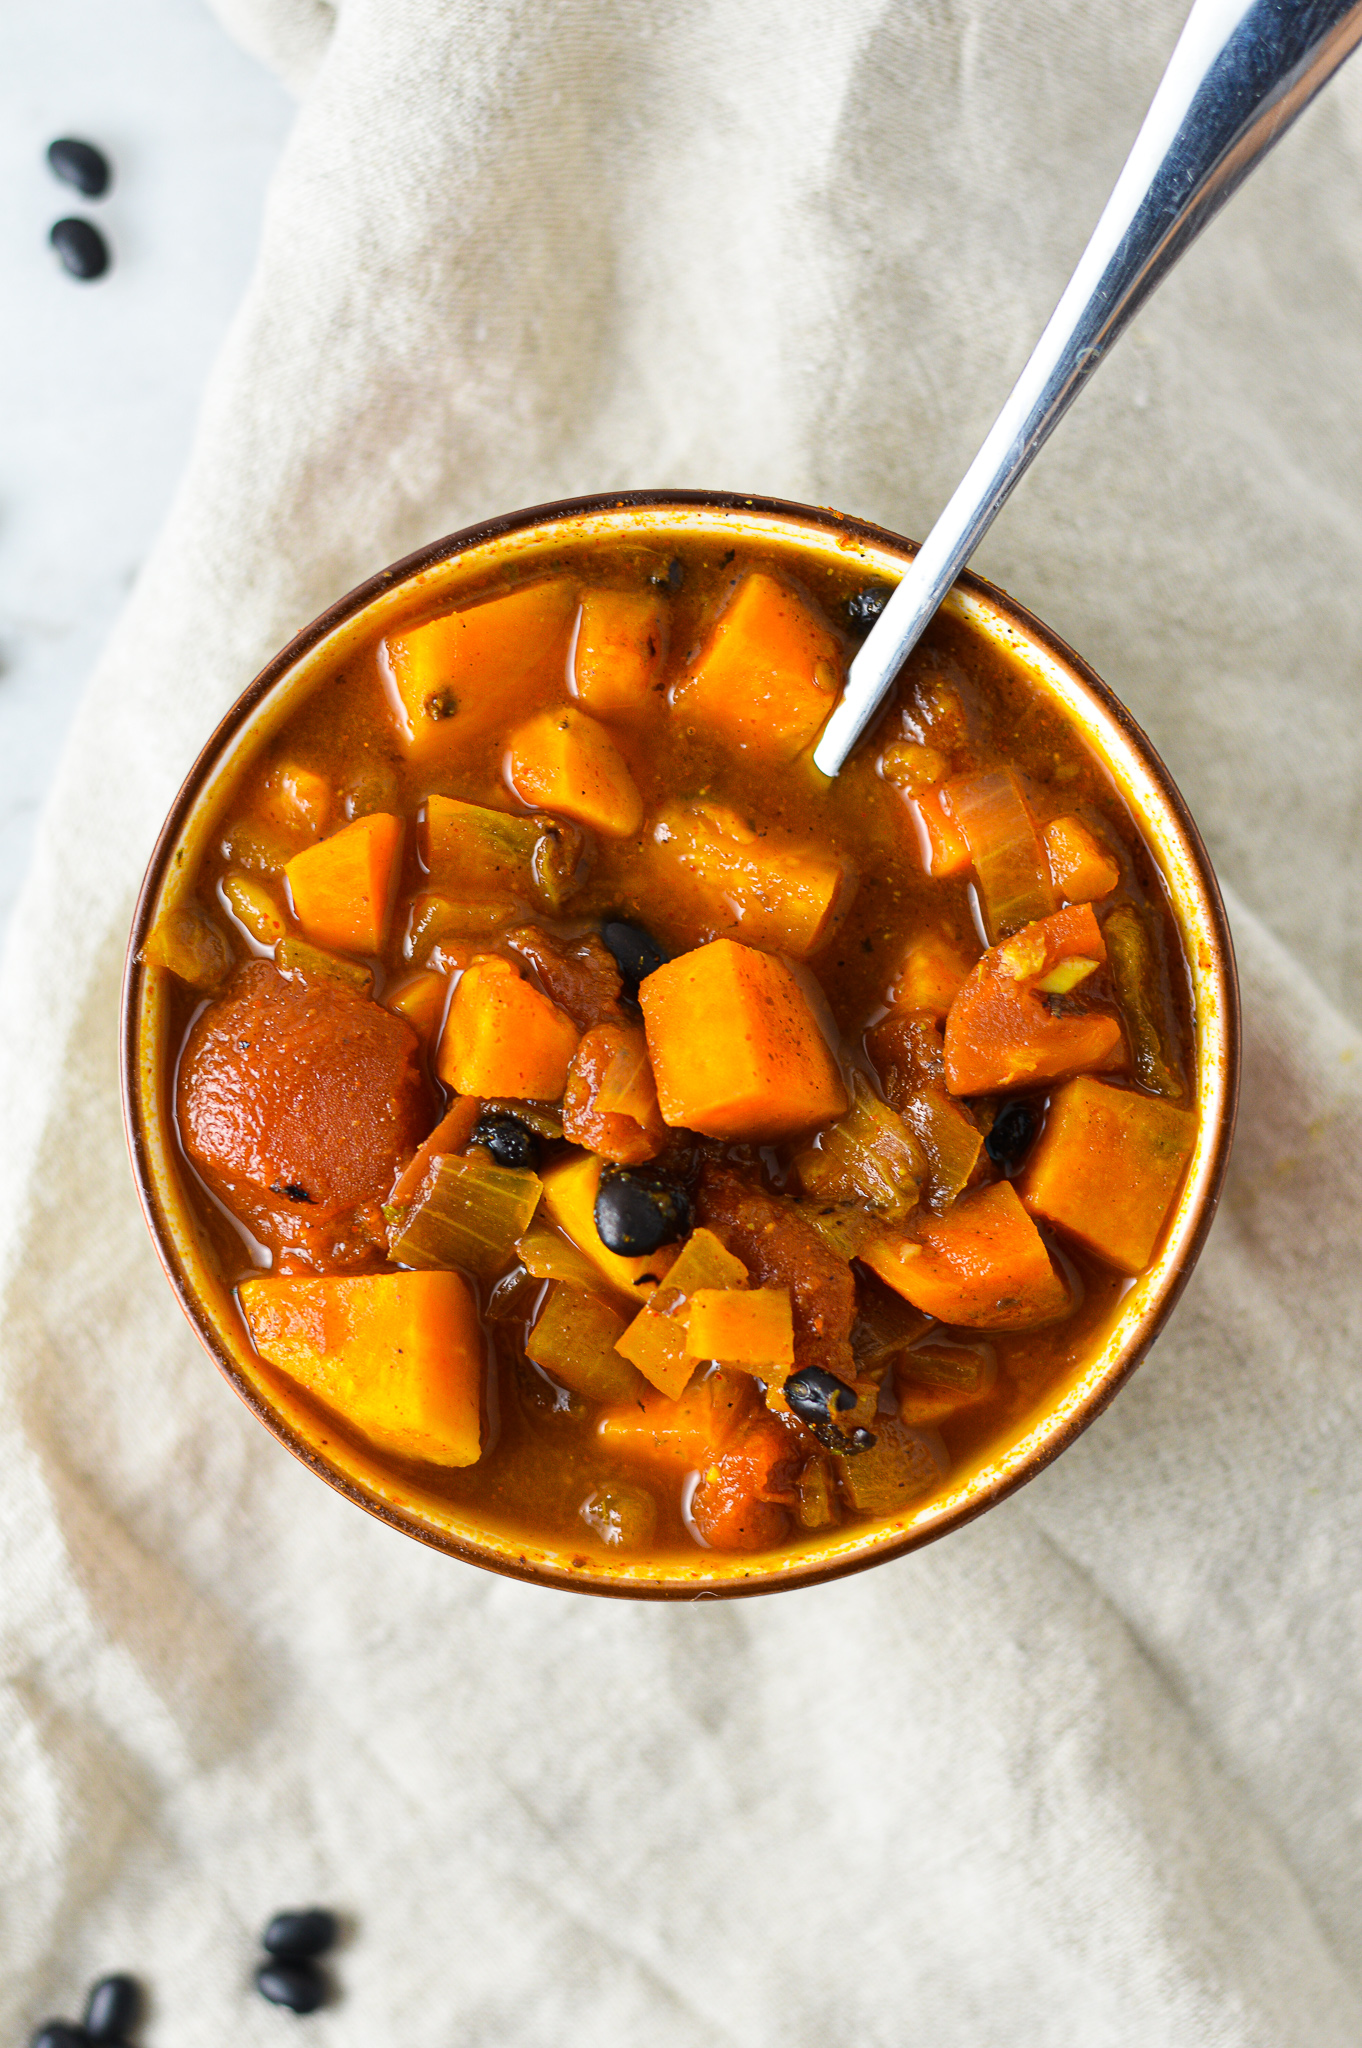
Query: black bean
point(83, 250)
point(113, 2008)
point(297, 1935)
point(637, 1212)
point(1014, 1128)
point(672, 577)
point(80, 164)
point(813, 1393)
point(510, 1142)
point(637, 953)
point(863, 607)
point(300, 1986)
point(59, 2034)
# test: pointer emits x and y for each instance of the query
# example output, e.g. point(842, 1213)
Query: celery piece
point(950, 1138)
point(1065, 977)
point(655, 1341)
point(254, 909)
point(868, 1155)
point(543, 1118)
point(885, 1326)
point(262, 849)
point(1005, 846)
point(815, 1503)
point(513, 1298)
point(963, 1369)
point(1135, 971)
point(469, 1214)
point(559, 863)
point(845, 1227)
point(301, 962)
point(434, 917)
point(702, 1262)
point(188, 944)
point(574, 1341)
point(898, 1468)
point(474, 852)
point(548, 1255)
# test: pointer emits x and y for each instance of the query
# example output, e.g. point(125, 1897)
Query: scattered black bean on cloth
point(80, 164)
point(59, 2034)
point(83, 250)
point(637, 1213)
point(113, 2008)
point(299, 1935)
point(299, 1986)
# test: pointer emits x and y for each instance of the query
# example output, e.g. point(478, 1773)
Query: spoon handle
point(1241, 72)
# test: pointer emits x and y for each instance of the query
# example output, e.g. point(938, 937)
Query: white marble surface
point(101, 381)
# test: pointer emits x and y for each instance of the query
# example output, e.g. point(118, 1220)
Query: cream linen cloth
point(1082, 1776)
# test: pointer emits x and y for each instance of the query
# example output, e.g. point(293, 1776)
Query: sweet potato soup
point(628, 1134)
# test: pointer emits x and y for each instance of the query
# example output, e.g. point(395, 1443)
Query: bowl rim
point(850, 530)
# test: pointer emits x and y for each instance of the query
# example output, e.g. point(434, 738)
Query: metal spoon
point(1241, 72)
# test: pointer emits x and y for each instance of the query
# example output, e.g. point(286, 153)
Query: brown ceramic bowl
point(447, 567)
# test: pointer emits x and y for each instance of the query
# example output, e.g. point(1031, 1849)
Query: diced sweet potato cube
point(620, 640)
point(570, 1186)
point(344, 887)
point(655, 1343)
point(456, 679)
point(421, 1000)
point(1107, 1168)
point(399, 1356)
point(503, 1038)
point(768, 675)
point(1081, 869)
point(983, 1265)
point(944, 847)
point(1000, 1032)
point(684, 1433)
point(751, 1327)
point(933, 972)
point(563, 761)
point(737, 1050)
point(729, 872)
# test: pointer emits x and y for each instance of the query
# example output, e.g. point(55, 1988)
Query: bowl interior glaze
point(445, 570)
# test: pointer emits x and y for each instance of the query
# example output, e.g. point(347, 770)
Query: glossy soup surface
point(885, 1236)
